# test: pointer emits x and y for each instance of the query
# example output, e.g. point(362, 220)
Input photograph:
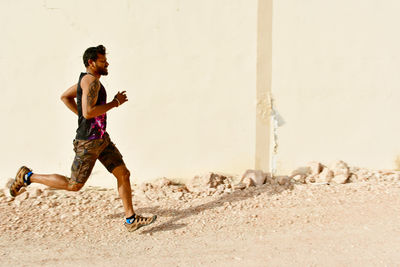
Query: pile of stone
point(161, 189)
point(257, 177)
point(200, 186)
point(211, 183)
point(339, 172)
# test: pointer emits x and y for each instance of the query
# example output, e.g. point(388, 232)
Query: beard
point(101, 71)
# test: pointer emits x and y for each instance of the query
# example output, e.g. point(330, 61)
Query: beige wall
point(335, 82)
point(189, 68)
point(200, 78)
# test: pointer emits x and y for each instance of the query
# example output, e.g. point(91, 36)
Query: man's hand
point(121, 97)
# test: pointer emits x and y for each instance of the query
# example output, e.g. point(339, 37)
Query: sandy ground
point(353, 224)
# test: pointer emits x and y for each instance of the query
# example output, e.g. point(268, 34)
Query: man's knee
point(124, 176)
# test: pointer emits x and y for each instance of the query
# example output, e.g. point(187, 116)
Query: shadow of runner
point(181, 214)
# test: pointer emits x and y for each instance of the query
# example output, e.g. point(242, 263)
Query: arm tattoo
point(93, 90)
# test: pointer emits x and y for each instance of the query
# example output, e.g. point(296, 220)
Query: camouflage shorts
point(86, 154)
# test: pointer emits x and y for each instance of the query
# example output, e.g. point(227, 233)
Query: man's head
point(95, 60)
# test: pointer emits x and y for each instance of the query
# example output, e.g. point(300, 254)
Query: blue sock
point(27, 178)
point(131, 219)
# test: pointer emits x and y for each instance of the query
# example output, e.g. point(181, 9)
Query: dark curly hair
point(92, 52)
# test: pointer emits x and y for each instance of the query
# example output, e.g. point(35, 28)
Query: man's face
point(101, 64)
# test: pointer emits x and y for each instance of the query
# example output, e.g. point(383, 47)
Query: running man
point(92, 142)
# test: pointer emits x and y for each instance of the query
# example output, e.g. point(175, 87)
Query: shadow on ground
point(177, 215)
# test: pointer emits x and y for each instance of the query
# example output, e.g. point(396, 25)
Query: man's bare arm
point(68, 97)
point(90, 90)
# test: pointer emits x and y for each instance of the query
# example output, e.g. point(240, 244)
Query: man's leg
point(111, 158)
point(133, 221)
point(80, 171)
point(56, 181)
point(25, 177)
point(124, 189)
point(86, 153)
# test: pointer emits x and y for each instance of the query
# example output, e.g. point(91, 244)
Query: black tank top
point(94, 128)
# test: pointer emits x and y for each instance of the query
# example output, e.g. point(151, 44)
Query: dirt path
point(356, 224)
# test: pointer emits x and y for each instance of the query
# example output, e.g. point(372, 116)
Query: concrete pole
point(263, 87)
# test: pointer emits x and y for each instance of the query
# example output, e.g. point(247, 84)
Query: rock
point(211, 191)
point(315, 167)
point(364, 175)
point(221, 188)
point(208, 180)
point(216, 180)
point(22, 196)
point(341, 172)
point(325, 176)
point(228, 190)
point(54, 196)
point(35, 193)
point(145, 186)
point(310, 179)
point(178, 195)
point(282, 180)
point(248, 182)
point(198, 183)
point(259, 177)
point(182, 188)
point(304, 171)
point(299, 178)
point(162, 182)
point(48, 193)
point(227, 181)
point(340, 168)
point(195, 189)
point(340, 179)
point(353, 178)
point(239, 186)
